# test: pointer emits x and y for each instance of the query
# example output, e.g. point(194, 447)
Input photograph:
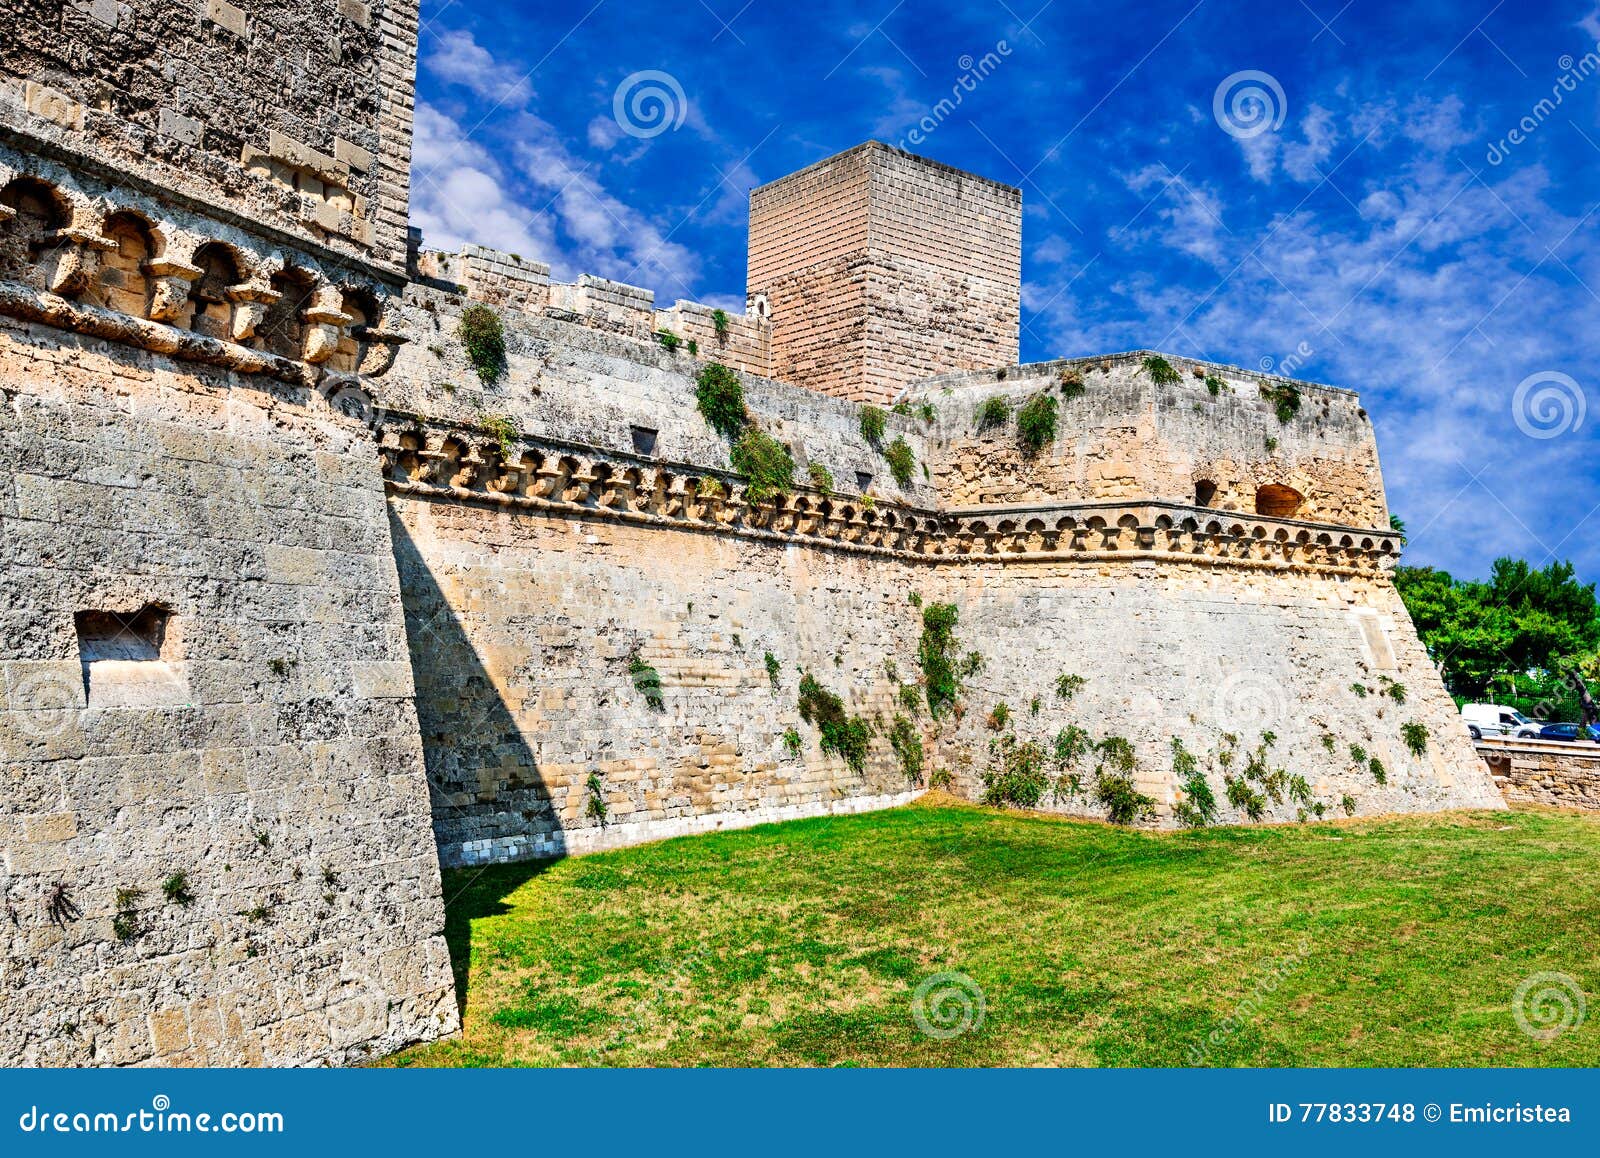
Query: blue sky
point(1333, 191)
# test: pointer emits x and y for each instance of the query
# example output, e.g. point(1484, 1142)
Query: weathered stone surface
point(293, 605)
point(1566, 775)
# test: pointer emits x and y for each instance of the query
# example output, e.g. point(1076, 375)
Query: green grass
point(1386, 942)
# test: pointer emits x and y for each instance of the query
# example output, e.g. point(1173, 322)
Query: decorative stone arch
point(32, 212)
point(123, 283)
point(210, 305)
point(1277, 501)
point(283, 329)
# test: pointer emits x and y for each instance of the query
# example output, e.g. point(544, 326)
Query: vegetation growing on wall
point(1114, 788)
point(902, 461)
point(596, 807)
point(873, 423)
point(1215, 385)
point(1285, 399)
point(844, 735)
point(992, 413)
point(1069, 685)
point(720, 398)
point(669, 340)
point(719, 323)
point(936, 655)
point(1415, 737)
point(646, 681)
point(1036, 423)
point(1071, 383)
point(484, 339)
point(773, 668)
point(821, 477)
point(907, 745)
point(764, 463)
point(503, 430)
point(1016, 773)
point(1160, 370)
point(1198, 807)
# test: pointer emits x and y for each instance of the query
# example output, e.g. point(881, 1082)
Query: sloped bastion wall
point(215, 823)
point(545, 556)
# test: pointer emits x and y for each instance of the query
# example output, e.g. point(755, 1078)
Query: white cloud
point(456, 58)
point(458, 193)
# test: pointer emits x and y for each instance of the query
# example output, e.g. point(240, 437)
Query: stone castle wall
point(1561, 774)
point(215, 826)
point(296, 116)
point(1122, 436)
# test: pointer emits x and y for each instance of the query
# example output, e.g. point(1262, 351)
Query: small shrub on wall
point(720, 398)
point(484, 338)
point(902, 462)
point(1036, 423)
point(765, 464)
point(844, 735)
point(873, 423)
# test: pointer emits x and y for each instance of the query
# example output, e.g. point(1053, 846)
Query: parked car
point(1567, 732)
point(1495, 720)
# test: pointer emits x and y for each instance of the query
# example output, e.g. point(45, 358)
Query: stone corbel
point(169, 286)
point(325, 325)
point(250, 304)
point(71, 259)
point(381, 347)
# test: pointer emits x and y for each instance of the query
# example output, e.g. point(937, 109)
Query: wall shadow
point(484, 783)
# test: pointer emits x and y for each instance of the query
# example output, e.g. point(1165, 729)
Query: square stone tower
point(880, 267)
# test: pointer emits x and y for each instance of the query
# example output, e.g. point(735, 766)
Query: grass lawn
point(1392, 942)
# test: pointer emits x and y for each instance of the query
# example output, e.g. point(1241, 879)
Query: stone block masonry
point(881, 268)
point(294, 605)
point(215, 833)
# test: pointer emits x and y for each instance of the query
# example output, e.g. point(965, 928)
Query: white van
point(1494, 720)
